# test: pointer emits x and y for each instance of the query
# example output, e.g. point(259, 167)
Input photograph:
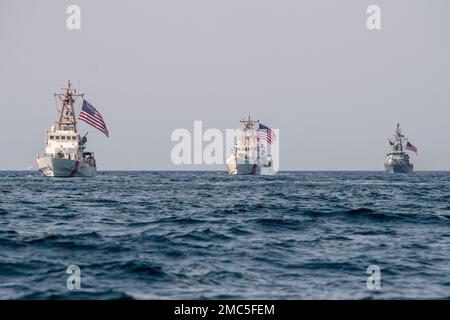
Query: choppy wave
point(202, 235)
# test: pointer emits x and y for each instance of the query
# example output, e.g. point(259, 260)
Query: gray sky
point(312, 69)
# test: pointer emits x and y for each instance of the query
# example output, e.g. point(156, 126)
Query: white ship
point(249, 156)
point(397, 160)
point(65, 154)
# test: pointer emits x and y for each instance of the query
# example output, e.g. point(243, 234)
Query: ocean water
point(204, 235)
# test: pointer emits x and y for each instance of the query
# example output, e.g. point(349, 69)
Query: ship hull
point(64, 168)
point(249, 169)
point(244, 169)
point(399, 168)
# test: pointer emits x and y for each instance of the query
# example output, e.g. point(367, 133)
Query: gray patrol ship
point(397, 160)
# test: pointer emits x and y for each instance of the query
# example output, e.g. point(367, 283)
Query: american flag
point(267, 134)
point(410, 147)
point(91, 116)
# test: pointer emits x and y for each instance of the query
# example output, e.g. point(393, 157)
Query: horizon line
point(212, 170)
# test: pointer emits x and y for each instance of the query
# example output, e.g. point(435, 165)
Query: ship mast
point(399, 138)
point(66, 119)
point(249, 127)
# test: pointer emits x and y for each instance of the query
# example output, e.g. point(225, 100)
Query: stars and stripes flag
point(267, 134)
point(91, 116)
point(410, 147)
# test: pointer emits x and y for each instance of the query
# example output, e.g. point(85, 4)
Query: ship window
point(74, 138)
point(63, 138)
point(56, 137)
point(52, 137)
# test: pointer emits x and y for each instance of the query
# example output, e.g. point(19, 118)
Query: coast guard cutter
point(397, 160)
point(65, 154)
point(249, 156)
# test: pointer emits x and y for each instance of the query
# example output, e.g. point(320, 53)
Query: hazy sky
point(312, 69)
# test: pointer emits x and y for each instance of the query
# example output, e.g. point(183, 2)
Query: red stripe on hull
point(75, 169)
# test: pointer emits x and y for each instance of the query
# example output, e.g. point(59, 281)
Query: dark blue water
point(196, 235)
